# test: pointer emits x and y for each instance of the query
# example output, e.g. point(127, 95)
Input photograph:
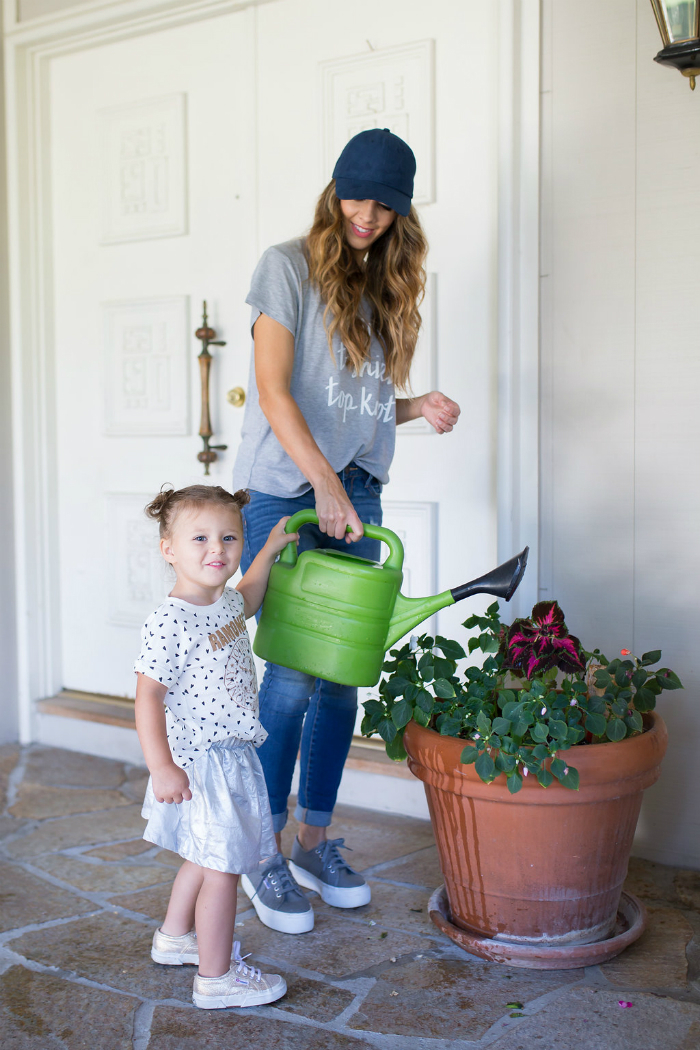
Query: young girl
point(335, 322)
point(197, 720)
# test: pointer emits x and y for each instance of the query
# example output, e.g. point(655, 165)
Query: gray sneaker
point(324, 869)
point(277, 899)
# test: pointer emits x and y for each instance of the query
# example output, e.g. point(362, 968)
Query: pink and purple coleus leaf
point(541, 642)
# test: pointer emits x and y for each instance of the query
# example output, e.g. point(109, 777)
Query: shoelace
point(279, 877)
point(243, 969)
point(329, 852)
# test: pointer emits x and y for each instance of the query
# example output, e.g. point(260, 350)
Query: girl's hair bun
point(157, 508)
point(165, 507)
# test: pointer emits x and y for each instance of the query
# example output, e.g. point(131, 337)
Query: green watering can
point(334, 615)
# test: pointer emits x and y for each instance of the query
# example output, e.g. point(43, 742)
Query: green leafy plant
point(536, 695)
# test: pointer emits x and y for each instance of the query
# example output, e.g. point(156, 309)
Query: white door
point(176, 159)
point(153, 170)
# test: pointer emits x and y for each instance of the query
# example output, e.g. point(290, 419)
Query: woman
point(335, 322)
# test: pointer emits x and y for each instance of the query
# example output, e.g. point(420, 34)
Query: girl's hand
point(278, 538)
point(335, 511)
point(254, 583)
point(441, 412)
point(171, 784)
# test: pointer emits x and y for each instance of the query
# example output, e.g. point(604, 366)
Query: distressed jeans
point(296, 708)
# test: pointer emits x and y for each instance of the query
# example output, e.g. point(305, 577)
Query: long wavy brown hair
point(392, 281)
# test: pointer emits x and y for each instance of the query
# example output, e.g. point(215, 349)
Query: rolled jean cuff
point(279, 821)
point(316, 817)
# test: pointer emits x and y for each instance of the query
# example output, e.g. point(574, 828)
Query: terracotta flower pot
point(542, 867)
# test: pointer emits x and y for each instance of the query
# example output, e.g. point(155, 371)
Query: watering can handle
point(374, 532)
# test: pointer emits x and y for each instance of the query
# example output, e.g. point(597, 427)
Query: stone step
point(90, 707)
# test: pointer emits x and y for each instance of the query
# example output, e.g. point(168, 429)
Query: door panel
point(153, 151)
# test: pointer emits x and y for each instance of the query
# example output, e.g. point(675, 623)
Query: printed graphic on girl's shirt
point(240, 678)
point(227, 634)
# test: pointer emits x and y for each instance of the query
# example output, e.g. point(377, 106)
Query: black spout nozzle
point(502, 582)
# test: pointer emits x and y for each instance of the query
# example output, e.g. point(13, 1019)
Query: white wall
point(620, 367)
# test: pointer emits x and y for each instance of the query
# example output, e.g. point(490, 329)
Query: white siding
point(620, 368)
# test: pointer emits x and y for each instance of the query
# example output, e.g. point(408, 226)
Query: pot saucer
point(631, 922)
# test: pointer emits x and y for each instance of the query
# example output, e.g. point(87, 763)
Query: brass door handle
point(236, 397)
point(207, 335)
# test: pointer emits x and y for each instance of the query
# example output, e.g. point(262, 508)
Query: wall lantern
point(679, 25)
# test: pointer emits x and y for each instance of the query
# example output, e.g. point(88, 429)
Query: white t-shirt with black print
point(202, 654)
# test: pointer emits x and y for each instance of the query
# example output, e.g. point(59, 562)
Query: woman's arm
point(274, 361)
point(170, 782)
point(254, 584)
point(441, 412)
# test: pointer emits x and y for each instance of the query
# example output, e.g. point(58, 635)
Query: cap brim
point(359, 190)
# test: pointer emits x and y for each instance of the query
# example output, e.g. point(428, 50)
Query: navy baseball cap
point(376, 165)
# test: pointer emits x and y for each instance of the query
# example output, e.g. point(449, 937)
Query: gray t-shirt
point(351, 416)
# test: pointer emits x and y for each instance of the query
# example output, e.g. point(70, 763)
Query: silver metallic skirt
point(227, 825)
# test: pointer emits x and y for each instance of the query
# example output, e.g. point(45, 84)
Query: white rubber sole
point(282, 921)
point(336, 896)
point(171, 959)
point(223, 1002)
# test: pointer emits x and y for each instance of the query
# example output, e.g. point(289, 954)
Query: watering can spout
point(501, 582)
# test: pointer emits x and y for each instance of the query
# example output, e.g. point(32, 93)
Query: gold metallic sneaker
point(243, 985)
point(175, 951)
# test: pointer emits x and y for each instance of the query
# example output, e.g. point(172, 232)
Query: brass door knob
point(236, 397)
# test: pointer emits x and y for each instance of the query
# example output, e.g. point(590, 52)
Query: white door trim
point(112, 19)
point(29, 48)
point(518, 292)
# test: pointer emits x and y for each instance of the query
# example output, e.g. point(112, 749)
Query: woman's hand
point(171, 784)
point(335, 511)
point(441, 412)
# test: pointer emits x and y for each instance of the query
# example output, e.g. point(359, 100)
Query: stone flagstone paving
point(81, 893)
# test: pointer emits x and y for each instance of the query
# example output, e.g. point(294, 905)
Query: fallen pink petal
point(624, 1004)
